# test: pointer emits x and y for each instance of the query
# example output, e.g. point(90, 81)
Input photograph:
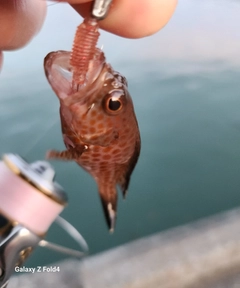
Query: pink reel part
point(28, 194)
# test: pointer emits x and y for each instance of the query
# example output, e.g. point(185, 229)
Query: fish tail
point(109, 204)
point(83, 50)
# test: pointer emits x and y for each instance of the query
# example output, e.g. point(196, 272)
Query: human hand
point(20, 20)
point(132, 18)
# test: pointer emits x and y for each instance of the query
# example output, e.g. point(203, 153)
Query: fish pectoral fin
point(67, 155)
point(109, 204)
point(101, 139)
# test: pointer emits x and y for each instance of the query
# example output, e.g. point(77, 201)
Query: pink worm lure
point(99, 125)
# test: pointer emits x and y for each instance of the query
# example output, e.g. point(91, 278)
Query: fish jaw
point(60, 75)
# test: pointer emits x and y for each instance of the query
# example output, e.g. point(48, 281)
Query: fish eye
point(114, 104)
point(113, 101)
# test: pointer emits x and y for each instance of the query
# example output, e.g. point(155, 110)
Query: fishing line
point(51, 2)
point(38, 139)
point(35, 143)
point(54, 3)
point(73, 233)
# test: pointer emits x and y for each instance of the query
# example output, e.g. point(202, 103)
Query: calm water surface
point(185, 85)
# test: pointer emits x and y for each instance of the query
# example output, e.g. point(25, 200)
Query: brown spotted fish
point(99, 125)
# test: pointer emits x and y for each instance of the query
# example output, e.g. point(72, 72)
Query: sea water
point(185, 85)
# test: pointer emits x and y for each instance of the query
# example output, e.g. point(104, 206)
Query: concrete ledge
point(203, 254)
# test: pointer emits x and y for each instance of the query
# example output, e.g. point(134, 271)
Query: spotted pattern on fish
point(99, 125)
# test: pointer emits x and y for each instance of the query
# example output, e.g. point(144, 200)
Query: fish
point(98, 121)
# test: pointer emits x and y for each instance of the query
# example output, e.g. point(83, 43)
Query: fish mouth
point(59, 72)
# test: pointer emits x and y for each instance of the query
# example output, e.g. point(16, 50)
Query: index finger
point(134, 18)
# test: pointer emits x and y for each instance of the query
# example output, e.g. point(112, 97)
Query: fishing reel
point(30, 201)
